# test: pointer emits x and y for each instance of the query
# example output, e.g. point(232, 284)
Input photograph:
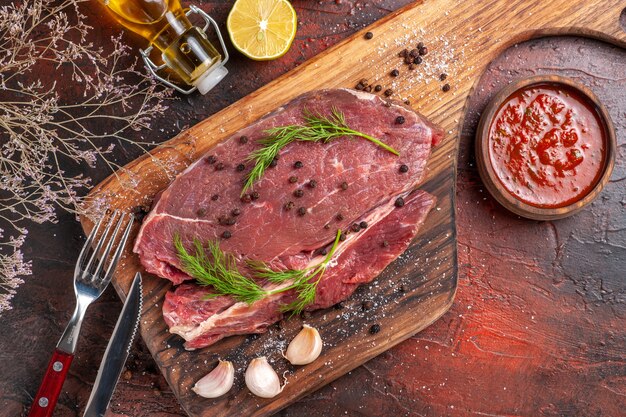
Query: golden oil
point(184, 47)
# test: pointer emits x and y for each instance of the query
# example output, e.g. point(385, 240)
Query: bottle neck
point(190, 55)
point(175, 25)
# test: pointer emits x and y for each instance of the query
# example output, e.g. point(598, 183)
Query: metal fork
point(90, 280)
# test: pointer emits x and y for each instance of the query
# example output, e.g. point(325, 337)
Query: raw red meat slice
point(202, 322)
point(194, 203)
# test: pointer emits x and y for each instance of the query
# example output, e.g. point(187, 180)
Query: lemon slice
point(262, 29)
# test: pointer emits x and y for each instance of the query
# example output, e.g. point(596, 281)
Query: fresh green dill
point(304, 281)
point(220, 272)
point(316, 128)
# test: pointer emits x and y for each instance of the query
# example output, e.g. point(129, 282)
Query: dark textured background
point(538, 327)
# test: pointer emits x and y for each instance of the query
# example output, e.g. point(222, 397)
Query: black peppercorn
point(408, 59)
point(404, 168)
point(364, 82)
point(369, 35)
point(412, 67)
point(375, 329)
point(402, 288)
point(388, 92)
point(246, 198)
point(301, 211)
point(339, 217)
point(201, 212)
point(359, 87)
point(298, 165)
point(140, 212)
point(355, 227)
point(378, 88)
point(230, 221)
point(400, 120)
point(403, 53)
point(407, 102)
point(446, 88)
point(255, 195)
point(338, 306)
point(327, 226)
point(344, 185)
point(443, 76)
point(293, 179)
point(226, 234)
point(243, 139)
point(423, 50)
point(367, 304)
point(342, 237)
point(363, 225)
point(414, 53)
point(420, 45)
point(211, 159)
point(385, 244)
point(312, 184)
point(214, 197)
point(298, 193)
point(235, 212)
point(395, 73)
point(288, 206)
point(417, 60)
point(274, 162)
point(399, 202)
point(219, 166)
point(368, 89)
point(241, 167)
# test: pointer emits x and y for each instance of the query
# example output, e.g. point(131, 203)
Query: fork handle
point(50, 388)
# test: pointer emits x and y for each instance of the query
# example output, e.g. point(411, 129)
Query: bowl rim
point(490, 178)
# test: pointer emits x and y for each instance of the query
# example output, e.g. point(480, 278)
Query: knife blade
point(116, 352)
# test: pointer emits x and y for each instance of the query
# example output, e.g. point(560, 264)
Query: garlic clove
point(305, 347)
point(261, 379)
point(217, 382)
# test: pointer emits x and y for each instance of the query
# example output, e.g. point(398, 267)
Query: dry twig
point(41, 132)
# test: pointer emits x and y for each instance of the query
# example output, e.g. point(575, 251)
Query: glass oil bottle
point(184, 47)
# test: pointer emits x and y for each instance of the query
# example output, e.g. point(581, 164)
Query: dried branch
point(41, 132)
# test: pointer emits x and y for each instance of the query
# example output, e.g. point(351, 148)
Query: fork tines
point(92, 259)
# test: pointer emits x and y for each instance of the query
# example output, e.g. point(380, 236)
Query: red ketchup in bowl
point(547, 145)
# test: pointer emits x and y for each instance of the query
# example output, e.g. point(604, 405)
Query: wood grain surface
point(340, 67)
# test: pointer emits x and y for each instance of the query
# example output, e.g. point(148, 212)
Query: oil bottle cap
point(209, 79)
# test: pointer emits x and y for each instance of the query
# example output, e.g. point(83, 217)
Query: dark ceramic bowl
point(489, 176)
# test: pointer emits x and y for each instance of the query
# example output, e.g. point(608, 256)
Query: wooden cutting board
point(462, 37)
